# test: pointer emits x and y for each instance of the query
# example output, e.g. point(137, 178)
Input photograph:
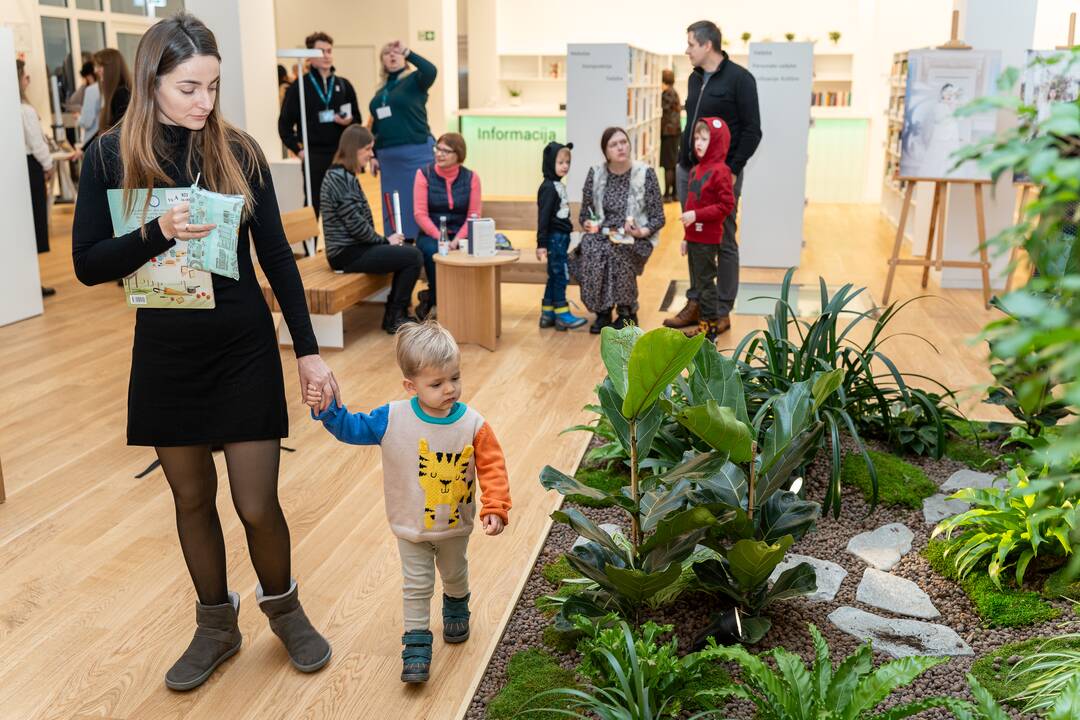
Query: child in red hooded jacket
point(709, 201)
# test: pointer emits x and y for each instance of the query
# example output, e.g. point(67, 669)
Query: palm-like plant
point(851, 691)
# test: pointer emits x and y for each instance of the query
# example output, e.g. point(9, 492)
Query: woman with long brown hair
point(204, 378)
point(115, 81)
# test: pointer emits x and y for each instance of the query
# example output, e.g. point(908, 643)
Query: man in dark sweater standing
point(330, 105)
point(717, 88)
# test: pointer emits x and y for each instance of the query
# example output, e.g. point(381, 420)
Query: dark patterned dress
point(608, 272)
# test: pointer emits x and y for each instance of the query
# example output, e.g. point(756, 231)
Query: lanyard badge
point(324, 93)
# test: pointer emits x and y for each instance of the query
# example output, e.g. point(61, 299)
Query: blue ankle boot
point(547, 316)
point(416, 656)
point(565, 320)
point(455, 616)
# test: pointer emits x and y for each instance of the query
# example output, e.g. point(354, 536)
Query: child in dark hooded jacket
point(709, 201)
point(553, 226)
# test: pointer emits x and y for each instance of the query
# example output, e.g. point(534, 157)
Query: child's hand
point(493, 524)
point(682, 248)
point(313, 396)
point(541, 254)
point(688, 217)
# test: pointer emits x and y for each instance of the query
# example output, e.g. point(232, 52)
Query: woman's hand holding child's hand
point(493, 524)
point(688, 217)
point(313, 396)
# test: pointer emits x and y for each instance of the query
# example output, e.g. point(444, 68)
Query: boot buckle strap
point(222, 636)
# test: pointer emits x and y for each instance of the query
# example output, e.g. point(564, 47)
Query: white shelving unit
point(541, 79)
point(611, 84)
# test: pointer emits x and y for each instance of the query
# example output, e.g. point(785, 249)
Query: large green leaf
point(611, 403)
point(798, 679)
point(716, 377)
point(848, 676)
point(676, 525)
point(615, 349)
point(752, 561)
point(754, 628)
point(661, 502)
point(799, 452)
point(719, 427)
point(647, 427)
point(657, 357)
point(727, 486)
point(699, 466)
point(585, 527)
point(825, 384)
point(553, 479)
point(637, 586)
point(784, 513)
point(679, 550)
point(792, 413)
point(793, 582)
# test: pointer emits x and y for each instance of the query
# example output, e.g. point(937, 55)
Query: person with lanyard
point(403, 139)
point(717, 87)
point(331, 106)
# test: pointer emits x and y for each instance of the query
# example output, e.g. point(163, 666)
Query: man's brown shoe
point(687, 317)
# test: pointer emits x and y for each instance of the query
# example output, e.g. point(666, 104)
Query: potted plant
point(515, 96)
point(834, 36)
point(745, 38)
point(789, 36)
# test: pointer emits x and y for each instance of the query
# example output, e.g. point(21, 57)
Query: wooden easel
point(936, 234)
point(1072, 34)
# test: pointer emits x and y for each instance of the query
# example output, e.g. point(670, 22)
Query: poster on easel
point(1050, 77)
point(166, 281)
point(939, 83)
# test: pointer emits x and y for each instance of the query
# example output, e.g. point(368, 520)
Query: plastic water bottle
point(444, 237)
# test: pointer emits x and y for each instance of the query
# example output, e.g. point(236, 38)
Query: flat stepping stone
point(971, 479)
point(900, 638)
point(829, 575)
point(938, 507)
point(609, 528)
point(883, 547)
point(895, 594)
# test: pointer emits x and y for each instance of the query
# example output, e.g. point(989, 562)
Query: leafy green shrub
point(819, 692)
point(790, 350)
point(530, 672)
point(998, 607)
point(1006, 527)
point(899, 482)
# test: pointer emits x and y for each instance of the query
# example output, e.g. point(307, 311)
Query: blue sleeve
point(355, 428)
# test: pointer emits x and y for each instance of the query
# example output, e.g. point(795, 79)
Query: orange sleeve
point(491, 474)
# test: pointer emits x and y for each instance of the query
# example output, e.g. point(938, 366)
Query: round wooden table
point(469, 296)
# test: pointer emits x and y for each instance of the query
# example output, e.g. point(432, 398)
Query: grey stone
point(829, 575)
point(938, 507)
point(895, 594)
point(899, 638)
point(971, 479)
point(609, 528)
point(883, 547)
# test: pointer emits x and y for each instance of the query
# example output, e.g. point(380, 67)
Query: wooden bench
point(515, 217)
point(328, 293)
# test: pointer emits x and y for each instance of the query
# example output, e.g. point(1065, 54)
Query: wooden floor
point(96, 603)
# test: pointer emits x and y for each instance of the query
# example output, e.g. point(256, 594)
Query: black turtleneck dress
point(197, 376)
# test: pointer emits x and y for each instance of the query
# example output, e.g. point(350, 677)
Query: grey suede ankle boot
point(308, 650)
point(217, 638)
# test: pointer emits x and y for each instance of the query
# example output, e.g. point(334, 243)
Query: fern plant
point(851, 691)
point(1009, 527)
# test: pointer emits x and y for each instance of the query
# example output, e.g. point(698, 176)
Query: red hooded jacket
point(710, 193)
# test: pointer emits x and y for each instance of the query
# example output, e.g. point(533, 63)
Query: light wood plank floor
point(96, 602)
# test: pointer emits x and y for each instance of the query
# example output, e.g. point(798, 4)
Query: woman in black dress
point(201, 378)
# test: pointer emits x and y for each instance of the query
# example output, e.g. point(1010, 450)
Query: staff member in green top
point(403, 140)
point(331, 106)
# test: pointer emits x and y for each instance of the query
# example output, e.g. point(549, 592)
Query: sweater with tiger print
point(431, 466)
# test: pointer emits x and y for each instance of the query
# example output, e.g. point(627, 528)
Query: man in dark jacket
point(717, 88)
point(330, 105)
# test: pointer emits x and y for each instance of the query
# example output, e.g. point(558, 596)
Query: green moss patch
point(559, 641)
point(993, 669)
point(555, 572)
point(531, 672)
point(714, 678)
point(1004, 607)
point(899, 482)
point(976, 457)
point(1060, 585)
point(608, 480)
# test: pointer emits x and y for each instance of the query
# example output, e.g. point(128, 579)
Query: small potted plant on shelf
point(834, 36)
point(745, 38)
point(789, 36)
point(515, 96)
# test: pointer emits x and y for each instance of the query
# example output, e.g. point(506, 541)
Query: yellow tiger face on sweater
point(443, 476)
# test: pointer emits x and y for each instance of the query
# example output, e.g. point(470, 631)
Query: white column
point(483, 54)
point(20, 284)
point(245, 35)
point(1008, 26)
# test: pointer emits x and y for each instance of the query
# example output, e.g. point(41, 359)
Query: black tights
point(253, 480)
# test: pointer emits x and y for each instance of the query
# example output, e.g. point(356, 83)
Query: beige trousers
point(418, 563)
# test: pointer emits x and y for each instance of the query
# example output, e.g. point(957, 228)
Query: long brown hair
point(114, 75)
point(225, 156)
point(20, 72)
point(355, 138)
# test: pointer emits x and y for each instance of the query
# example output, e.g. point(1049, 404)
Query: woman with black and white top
point(40, 164)
point(352, 244)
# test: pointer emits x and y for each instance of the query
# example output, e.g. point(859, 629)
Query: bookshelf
point(892, 189)
point(541, 79)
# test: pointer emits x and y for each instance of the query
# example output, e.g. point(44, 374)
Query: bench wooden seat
point(328, 293)
point(528, 269)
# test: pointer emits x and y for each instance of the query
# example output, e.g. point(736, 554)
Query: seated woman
point(622, 213)
point(443, 189)
point(352, 244)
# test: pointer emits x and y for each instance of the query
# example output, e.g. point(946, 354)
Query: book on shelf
point(831, 98)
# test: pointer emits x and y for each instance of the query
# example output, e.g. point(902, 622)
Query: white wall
point(20, 284)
